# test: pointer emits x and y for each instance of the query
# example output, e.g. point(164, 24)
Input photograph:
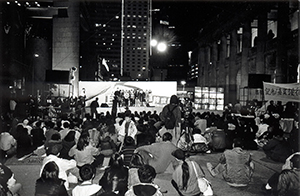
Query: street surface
point(264, 168)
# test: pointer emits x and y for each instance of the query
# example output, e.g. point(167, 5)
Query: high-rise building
point(136, 40)
point(100, 39)
point(102, 25)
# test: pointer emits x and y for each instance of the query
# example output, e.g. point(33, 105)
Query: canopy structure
point(289, 92)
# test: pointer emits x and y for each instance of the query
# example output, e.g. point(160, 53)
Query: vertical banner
point(282, 92)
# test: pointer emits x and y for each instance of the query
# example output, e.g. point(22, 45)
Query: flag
point(105, 64)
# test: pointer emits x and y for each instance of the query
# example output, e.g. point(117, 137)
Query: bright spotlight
point(153, 42)
point(161, 47)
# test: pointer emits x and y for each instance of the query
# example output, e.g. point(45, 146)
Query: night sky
point(189, 17)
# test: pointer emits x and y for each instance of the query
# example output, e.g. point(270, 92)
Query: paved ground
point(26, 174)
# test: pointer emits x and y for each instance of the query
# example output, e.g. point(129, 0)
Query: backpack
point(170, 119)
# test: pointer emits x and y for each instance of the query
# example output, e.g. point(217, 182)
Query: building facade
point(255, 43)
point(136, 39)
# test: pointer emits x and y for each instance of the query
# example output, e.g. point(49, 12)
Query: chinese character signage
point(282, 92)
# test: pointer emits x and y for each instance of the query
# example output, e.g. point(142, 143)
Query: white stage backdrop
point(159, 93)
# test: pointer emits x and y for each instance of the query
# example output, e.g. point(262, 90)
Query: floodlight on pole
point(161, 47)
point(153, 42)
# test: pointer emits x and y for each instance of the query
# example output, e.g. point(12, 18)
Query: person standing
point(94, 105)
point(171, 109)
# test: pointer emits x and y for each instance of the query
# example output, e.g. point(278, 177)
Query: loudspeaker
point(256, 80)
point(57, 76)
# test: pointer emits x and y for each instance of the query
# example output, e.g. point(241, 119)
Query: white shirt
point(86, 189)
point(63, 165)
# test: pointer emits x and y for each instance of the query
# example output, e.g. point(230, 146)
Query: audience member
point(37, 135)
point(184, 178)
point(277, 149)
point(146, 187)
point(127, 128)
point(156, 157)
point(50, 183)
point(286, 182)
point(235, 165)
point(8, 145)
point(8, 181)
point(64, 165)
point(67, 143)
point(24, 143)
point(115, 177)
point(173, 106)
point(84, 152)
point(87, 173)
point(128, 150)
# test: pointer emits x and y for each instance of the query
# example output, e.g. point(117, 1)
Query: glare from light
point(153, 42)
point(36, 55)
point(183, 82)
point(161, 47)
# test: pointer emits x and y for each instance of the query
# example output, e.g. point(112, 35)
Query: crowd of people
point(129, 146)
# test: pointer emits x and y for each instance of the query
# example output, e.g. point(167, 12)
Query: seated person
point(199, 143)
point(156, 157)
point(128, 150)
point(8, 144)
point(87, 173)
point(186, 174)
point(8, 182)
point(235, 164)
point(287, 181)
point(64, 165)
point(49, 183)
point(277, 148)
point(115, 177)
point(146, 175)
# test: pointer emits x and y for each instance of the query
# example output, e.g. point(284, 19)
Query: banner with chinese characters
point(282, 92)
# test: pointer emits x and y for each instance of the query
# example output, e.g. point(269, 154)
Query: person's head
point(179, 154)
point(196, 131)
point(83, 141)
point(295, 161)
point(54, 149)
point(87, 172)
point(174, 99)
point(277, 132)
point(136, 161)
point(167, 136)
point(238, 142)
point(38, 124)
point(56, 137)
point(128, 116)
point(129, 141)
point(66, 125)
point(50, 171)
point(146, 174)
